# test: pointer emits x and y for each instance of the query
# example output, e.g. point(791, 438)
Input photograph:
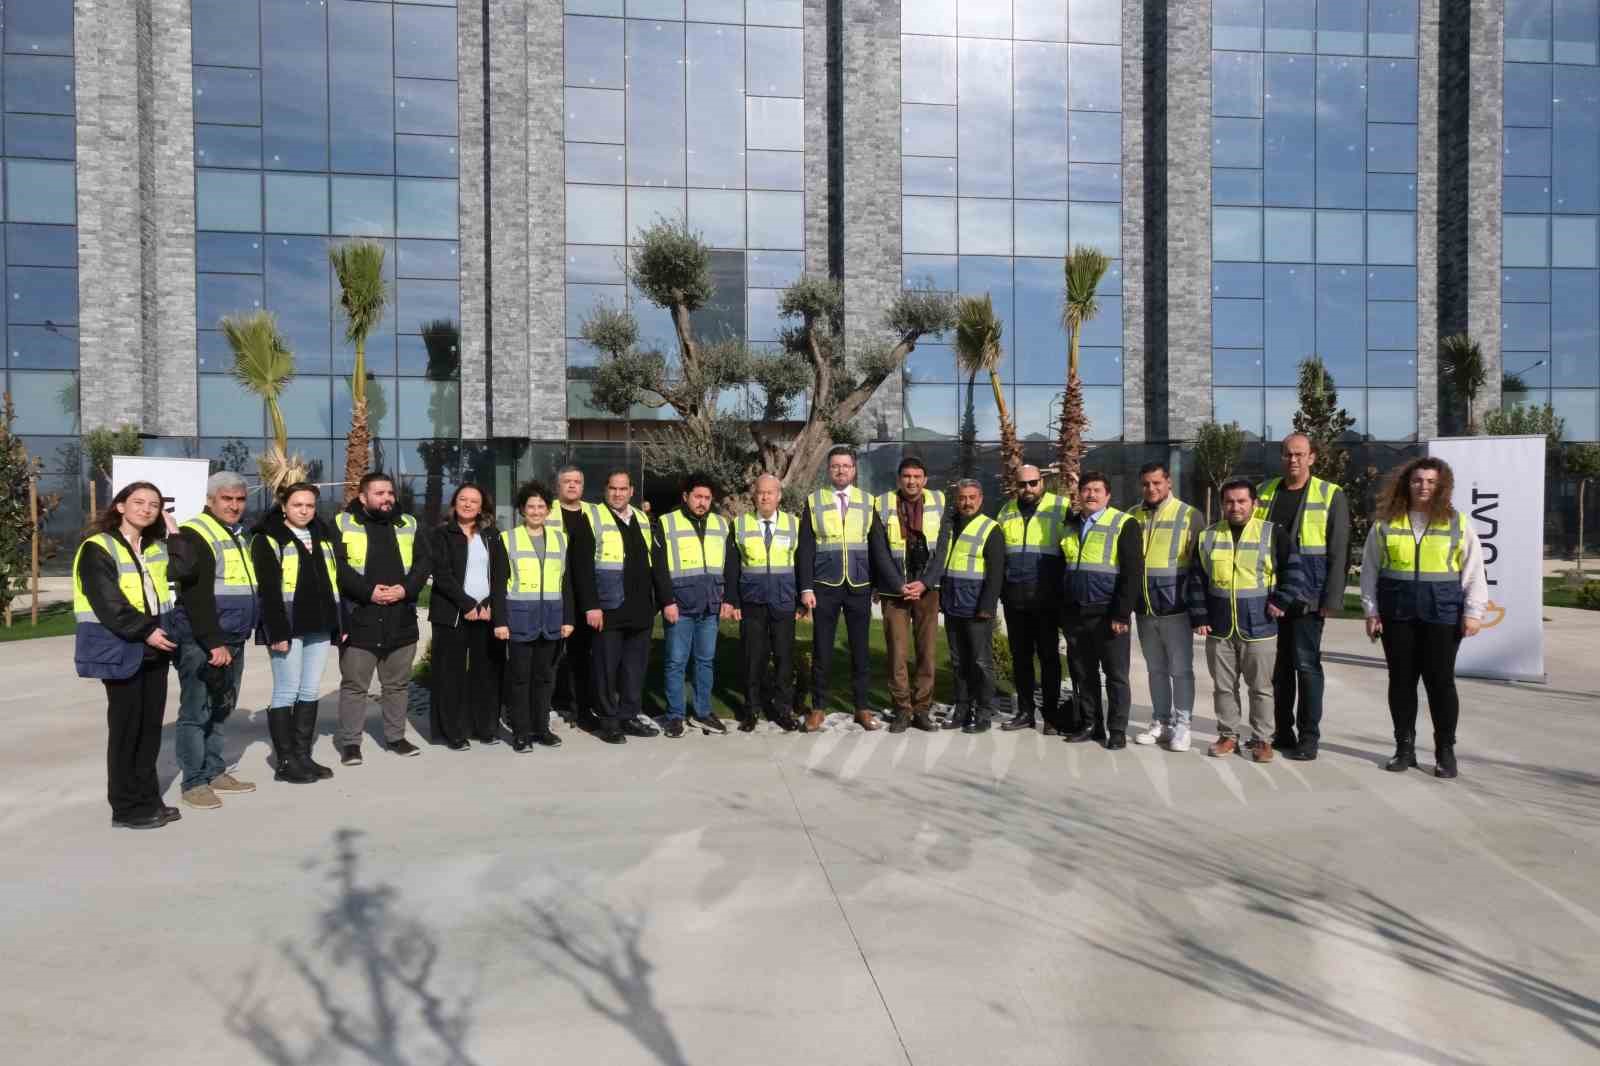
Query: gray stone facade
point(1188, 216)
point(544, 385)
point(470, 59)
point(1133, 224)
point(1427, 218)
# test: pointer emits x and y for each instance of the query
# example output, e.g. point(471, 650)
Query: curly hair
point(1394, 499)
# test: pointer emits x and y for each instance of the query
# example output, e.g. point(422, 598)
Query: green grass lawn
point(1558, 593)
point(55, 620)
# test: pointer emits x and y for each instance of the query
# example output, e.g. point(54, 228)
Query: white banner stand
point(1500, 491)
point(182, 481)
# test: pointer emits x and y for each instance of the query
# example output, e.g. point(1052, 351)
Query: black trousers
point(574, 690)
point(856, 605)
point(1035, 633)
point(766, 638)
point(1092, 649)
point(972, 663)
point(1298, 671)
point(619, 660)
point(532, 678)
point(468, 664)
point(1427, 651)
point(134, 708)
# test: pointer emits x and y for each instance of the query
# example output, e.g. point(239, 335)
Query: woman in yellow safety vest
point(1423, 588)
point(540, 613)
point(122, 601)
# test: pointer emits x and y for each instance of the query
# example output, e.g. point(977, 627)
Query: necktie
point(844, 504)
point(767, 532)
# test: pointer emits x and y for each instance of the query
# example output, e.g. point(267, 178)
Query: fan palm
point(1464, 369)
point(1085, 267)
point(978, 334)
point(363, 295)
point(264, 366)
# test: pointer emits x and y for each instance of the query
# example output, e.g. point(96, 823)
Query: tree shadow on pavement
point(596, 948)
point(1135, 856)
point(374, 975)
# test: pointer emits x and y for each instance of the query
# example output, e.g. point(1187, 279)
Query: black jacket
point(994, 563)
point(193, 569)
point(882, 573)
point(381, 627)
point(1126, 595)
point(98, 572)
point(645, 588)
point(450, 603)
point(316, 607)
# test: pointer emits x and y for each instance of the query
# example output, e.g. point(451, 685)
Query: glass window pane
point(297, 203)
point(45, 401)
point(1391, 414)
point(227, 253)
point(1391, 148)
point(1240, 187)
point(1531, 286)
point(1392, 28)
point(718, 216)
point(593, 52)
point(1094, 77)
point(1236, 24)
point(430, 408)
point(928, 16)
point(596, 264)
point(731, 11)
point(596, 215)
point(930, 271)
point(984, 118)
point(1288, 236)
point(1291, 26)
point(1575, 141)
point(1236, 279)
point(716, 98)
point(1290, 311)
point(37, 191)
point(224, 200)
point(928, 70)
point(594, 115)
point(1236, 142)
point(775, 170)
point(381, 401)
point(929, 224)
point(1091, 181)
point(428, 259)
point(1281, 407)
point(221, 94)
point(1104, 408)
point(1391, 238)
point(43, 347)
point(419, 303)
point(1392, 324)
point(776, 220)
point(307, 404)
point(425, 107)
point(433, 157)
point(655, 104)
point(294, 84)
point(1391, 283)
point(227, 146)
point(773, 12)
point(1525, 327)
point(39, 26)
point(985, 227)
point(775, 123)
point(298, 284)
point(931, 412)
point(363, 206)
point(773, 269)
point(1098, 226)
point(1525, 241)
point(1236, 84)
point(1095, 137)
point(1527, 30)
point(43, 136)
point(1236, 366)
point(1339, 236)
point(41, 246)
point(1041, 227)
point(1577, 23)
point(646, 207)
point(1392, 192)
point(1527, 94)
point(1095, 20)
point(1235, 233)
point(924, 176)
point(1240, 406)
point(225, 409)
point(1392, 90)
point(361, 62)
point(424, 42)
point(220, 295)
point(1572, 241)
point(1392, 368)
point(1040, 20)
point(426, 208)
point(1105, 329)
point(1236, 323)
point(1341, 324)
point(773, 62)
point(598, 164)
point(927, 130)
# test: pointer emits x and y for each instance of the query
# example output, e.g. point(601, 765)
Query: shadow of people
point(597, 950)
point(374, 975)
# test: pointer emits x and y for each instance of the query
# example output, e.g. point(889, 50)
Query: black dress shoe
point(786, 723)
point(521, 745)
point(976, 724)
point(171, 814)
point(1444, 758)
point(1049, 730)
point(489, 741)
point(1405, 758)
point(635, 728)
point(710, 724)
point(674, 728)
point(612, 735)
point(747, 725)
point(923, 722)
point(900, 723)
point(547, 740)
point(957, 720)
point(1116, 740)
point(1080, 736)
point(1304, 753)
point(1016, 722)
point(350, 755)
point(139, 821)
point(459, 745)
point(1284, 743)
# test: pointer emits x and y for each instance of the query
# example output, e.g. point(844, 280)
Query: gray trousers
point(356, 667)
point(1233, 658)
point(1168, 646)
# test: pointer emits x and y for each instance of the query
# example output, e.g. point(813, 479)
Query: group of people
point(559, 609)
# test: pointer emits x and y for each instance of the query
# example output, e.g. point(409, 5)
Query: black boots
point(1405, 755)
point(305, 735)
point(1444, 758)
point(286, 757)
point(1023, 719)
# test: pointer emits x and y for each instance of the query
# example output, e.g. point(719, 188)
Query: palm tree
point(363, 295)
point(1464, 369)
point(1084, 269)
point(263, 365)
point(978, 334)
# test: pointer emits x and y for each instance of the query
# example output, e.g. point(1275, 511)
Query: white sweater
point(1474, 583)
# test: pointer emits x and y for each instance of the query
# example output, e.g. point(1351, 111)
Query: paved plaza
point(851, 898)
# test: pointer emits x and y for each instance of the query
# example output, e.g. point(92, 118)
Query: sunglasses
point(1031, 484)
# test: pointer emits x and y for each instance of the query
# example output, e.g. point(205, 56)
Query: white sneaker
point(1151, 735)
point(1179, 740)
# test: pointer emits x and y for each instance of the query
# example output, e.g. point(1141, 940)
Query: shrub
point(1588, 597)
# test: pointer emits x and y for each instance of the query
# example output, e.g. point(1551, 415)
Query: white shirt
point(1474, 582)
point(476, 581)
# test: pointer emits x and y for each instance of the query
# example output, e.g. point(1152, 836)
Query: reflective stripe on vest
point(1240, 577)
point(1421, 580)
point(533, 587)
point(964, 568)
point(767, 576)
point(234, 581)
point(695, 564)
point(841, 545)
point(609, 552)
point(1311, 533)
point(1028, 537)
point(97, 651)
point(888, 506)
point(1166, 536)
point(355, 540)
point(289, 564)
point(1092, 562)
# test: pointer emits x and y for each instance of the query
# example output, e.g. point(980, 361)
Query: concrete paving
point(847, 898)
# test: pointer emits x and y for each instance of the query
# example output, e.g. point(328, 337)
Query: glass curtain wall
point(1314, 188)
point(40, 237)
point(1011, 153)
point(682, 110)
point(1550, 284)
point(315, 123)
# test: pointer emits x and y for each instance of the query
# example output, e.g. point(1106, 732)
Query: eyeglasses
point(1031, 484)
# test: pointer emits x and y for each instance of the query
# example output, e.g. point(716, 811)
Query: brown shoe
point(921, 721)
point(868, 721)
point(201, 798)
point(1261, 750)
point(226, 782)
point(1222, 746)
point(814, 720)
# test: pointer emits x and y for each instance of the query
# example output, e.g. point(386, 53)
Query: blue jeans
point(206, 697)
point(1299, 667)
point(686, 636)
point(297, 673)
